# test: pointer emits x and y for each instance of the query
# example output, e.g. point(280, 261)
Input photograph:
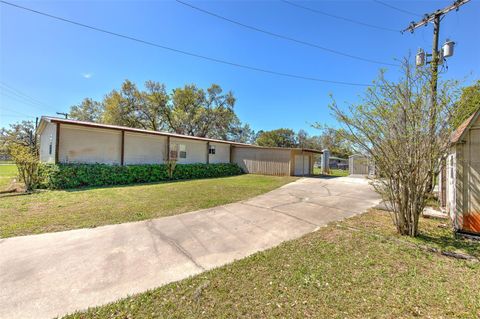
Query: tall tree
point(20, 133)
point(302, 138)
point(334, 140)
point(134, 108)
point(241, 132)
point(468, 103)
point(196, 112)
point(393, 125)
point(277, 138)
point(156, 102)
point(188, 110)
point(89, 110)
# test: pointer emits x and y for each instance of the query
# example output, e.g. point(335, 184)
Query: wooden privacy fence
point(267, 167)
point(262, 161)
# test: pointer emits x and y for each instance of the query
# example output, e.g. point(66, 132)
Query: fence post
point(325, 163)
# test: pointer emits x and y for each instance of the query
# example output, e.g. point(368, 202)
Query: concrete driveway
point(47, 275)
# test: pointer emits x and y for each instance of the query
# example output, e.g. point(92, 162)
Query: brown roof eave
point(133, 130)
point(459, 133)
point(142, 131)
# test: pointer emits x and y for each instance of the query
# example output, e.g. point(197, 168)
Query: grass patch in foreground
point(48, 211)
point(335, 272)
point(7, 173)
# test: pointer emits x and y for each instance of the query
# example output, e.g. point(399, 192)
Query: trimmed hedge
point(63, 176)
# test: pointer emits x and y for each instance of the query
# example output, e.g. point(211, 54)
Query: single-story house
point(459, 180)
point(72, 141)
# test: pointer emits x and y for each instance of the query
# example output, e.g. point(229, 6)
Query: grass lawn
point(49, 211)
point(344, 270)
point(7, 173)
point(333, 172)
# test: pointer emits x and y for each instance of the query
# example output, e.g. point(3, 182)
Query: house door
point(302, 165)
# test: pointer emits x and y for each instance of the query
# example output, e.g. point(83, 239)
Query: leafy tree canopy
point(20, 133)
point(335, 141)
point(330, 139)
point(282, 137)
point(89, 110)
point(468, 103)
point(187, 110)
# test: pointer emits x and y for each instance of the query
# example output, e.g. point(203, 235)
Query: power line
point(18, 92)
point(339, 17)
point(20, 100)
point(14, 111)
point(396, 8)
point(25, 97)
point(284, 37)
point(17, 116)
point(244, 66)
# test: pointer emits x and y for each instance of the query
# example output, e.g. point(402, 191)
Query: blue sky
point(47, 65)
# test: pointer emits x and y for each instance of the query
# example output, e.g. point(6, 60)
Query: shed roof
point(458, 134)
point(51, 119)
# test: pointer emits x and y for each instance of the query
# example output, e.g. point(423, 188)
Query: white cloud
point(87, 75)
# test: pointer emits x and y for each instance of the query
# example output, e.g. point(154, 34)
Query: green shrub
point(62, 176)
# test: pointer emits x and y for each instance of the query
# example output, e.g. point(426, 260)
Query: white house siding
point(144, 148)
point(474, 173)
point(262, 161)
point(196, 150)
point(80, 144)
point(450, 183)
point(47, 138)
point(471, 179)
point(222, 153)
point(462, 190)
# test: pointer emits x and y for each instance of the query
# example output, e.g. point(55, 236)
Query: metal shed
point(359, 164)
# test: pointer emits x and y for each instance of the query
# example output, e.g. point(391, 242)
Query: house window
point(211, 149)
point(50, 148)
point(182, 151)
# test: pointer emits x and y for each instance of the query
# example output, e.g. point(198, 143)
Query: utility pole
point(436, 55)
point(64, 114)
point(437, 58)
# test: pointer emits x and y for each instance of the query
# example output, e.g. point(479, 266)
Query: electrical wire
point(2, 108)
point(388, 5)
point(284, 37)
point(14, 98)
point(17, 116)
point(19, 94)
point(340, 17)
point(238, 65)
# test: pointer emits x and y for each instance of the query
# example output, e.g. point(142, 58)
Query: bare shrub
point(27, 163)
point(405, 134)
